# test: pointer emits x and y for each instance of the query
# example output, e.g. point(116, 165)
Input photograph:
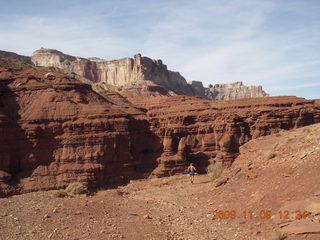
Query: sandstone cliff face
point(196, 130)
point(141, 76)
point(56, 130)
point(118, 73)
point(234, 91)
point(198, 89)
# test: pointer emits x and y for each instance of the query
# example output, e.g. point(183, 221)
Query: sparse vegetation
point(271, 155)
point(277, 236)
point(214, 170)
point(61, 193)
point(306, 130)
point(278, 146)
point(77, 188)
point(290, 139)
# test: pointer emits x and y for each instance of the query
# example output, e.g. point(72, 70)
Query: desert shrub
point(277, 236)
point(278, 146)
point(77, 188)
point(61, 193)
point(214, 170)
point(306, 130)
point(271, 155)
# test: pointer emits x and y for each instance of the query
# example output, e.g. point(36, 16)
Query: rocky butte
point(56, 129)
point(140, 76)
point(233, 91)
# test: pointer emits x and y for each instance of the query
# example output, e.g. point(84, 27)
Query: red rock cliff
point(196, 130)
point(56, 130)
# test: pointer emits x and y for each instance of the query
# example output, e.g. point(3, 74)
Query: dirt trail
point(166, 208)
point(176, 204)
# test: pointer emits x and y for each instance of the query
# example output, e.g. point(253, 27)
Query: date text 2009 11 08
point(263, 214)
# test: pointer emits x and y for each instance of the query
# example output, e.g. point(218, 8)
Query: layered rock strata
point(56, 130)
point(121, 73)
point(233, 91)
point(141, 76)
point(196, 130)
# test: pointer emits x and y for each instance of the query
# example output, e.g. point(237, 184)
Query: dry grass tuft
point(271, 155)
point(214, 170)
point(61, 193)
point(278, 146)
point(77, 188)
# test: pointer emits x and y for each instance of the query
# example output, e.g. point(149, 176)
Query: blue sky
point(273, 43)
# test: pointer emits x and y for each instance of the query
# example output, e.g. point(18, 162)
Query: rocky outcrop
point(198, 88)
point(14, 61)
point(141, 76)
point(196, 130)
point(56, 130)
point(120, 73)
point(233, 91)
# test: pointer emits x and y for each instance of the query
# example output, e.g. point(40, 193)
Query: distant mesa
point(141, 76)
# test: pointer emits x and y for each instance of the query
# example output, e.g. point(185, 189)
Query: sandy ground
point(166, 208)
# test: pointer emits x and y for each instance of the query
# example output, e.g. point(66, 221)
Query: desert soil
point(166, 208)
point(173, 208)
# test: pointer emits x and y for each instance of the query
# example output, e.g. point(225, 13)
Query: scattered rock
point(49, 76)
point(221, 181)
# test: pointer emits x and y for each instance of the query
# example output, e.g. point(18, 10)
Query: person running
point(191, 170)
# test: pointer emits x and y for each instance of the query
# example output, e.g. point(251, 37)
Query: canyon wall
point(56, 130)
point(196, 130)
point(122, 72)
point(141, 76)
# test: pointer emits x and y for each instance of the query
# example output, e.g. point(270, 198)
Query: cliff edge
point(140, 76)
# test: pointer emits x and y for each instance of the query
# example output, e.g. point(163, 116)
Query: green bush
point(214, 170)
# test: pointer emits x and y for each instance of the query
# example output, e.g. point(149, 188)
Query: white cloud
point(271, 43)
point(294, 87)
